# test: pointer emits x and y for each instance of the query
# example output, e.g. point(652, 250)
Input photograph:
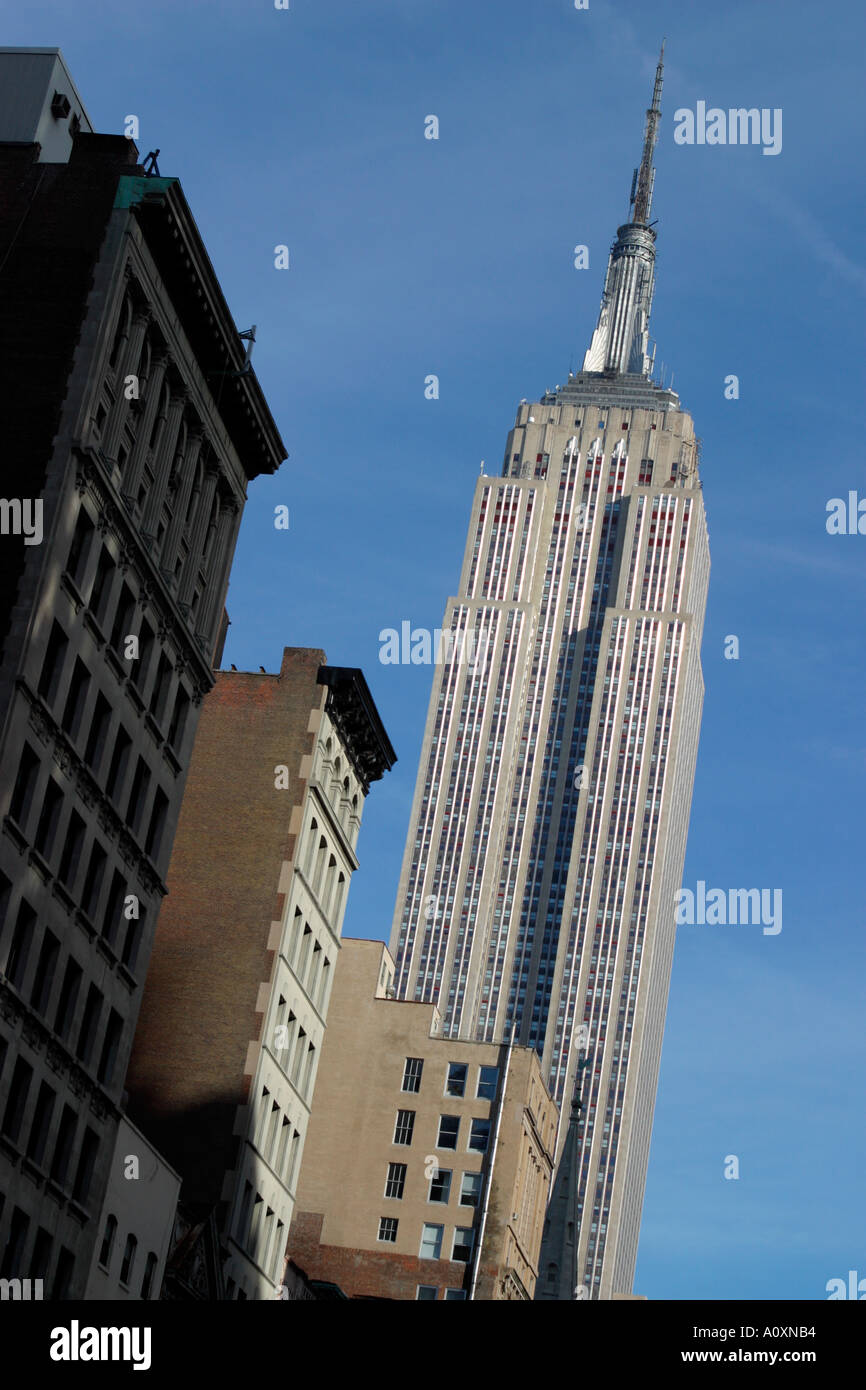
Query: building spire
point(620, 343)
point(644, 177)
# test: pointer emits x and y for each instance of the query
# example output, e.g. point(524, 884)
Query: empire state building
point(549, 823)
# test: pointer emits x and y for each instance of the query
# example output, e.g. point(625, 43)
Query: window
point(68, 999)
point(46, 829)
point(138, 796)
point(102, 585)
point(25, 786)
point(15, 1105)
point(89, 1024)
point(63, 1275)
point(149, 1272)
point(80, 548)
point(128, 1259)
point(45, 967)
point(19, 950)
point(412, 1074)
point(449, 1128)
point(86, 1164)
point(404, 1126)
point(13, 1255)
point(117, 767)
point(462, 1247)
point(63, 1147)
point(110, 1045)
point(479, 1135)
point(427, 1293)
point(431, 1242)
point(470, 1190)
point(387, 1229)
point(178, 718)
point(456, 1083)
point(440, 1186)
point(73, 845)
point(52, 666)
point(93, 880)
point(38, 1140)
point(488, 1080)
point(41, 1256)
point(156, 827)
point(452, 1295)
point(108, 1242)
point(396, 1180)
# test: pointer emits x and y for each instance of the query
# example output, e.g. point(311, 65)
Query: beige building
point(428, 1161)
point(234, 1010)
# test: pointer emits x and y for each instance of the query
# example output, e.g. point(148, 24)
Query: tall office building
point(131, 431)
point(548, 830)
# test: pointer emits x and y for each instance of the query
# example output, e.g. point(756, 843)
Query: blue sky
point(454, 257)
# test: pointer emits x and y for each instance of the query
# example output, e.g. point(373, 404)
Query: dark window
point(63, 1275)
point(114, 907)
point(72, 849)
point(39, 1130)
point(138, 796)
point(46, 828)
point(101, 591)
point(52, 666)
point(45, 968)
point(107, 1241)
point(128, 1259)
point(149, 1272)
point(412, 1074)
point(145, 651)
point(68, 998)
point(479, 1135)
point(488, 1079)
point(161, 687)
point(110, 1045)
point(396, 1180)
point(19, 950)
point(41, 1256)
point(25, 786)
point(75, 699)
point(93, 880)
point(178, 718)
point(89, 1024)
point(157, 824)
point(79, 550)
point(440, 1186)
point(17, 1102)
point(86, 1165)
point(124, 616)
point(13, 1256)
point(63, 1147)
point(98, 733)
point(404, 1126)
point(132, 940)
point(456, 1083)
point(449, 1128)
point(119, 760)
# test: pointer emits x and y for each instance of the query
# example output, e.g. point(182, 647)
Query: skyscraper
point(132, 431)
point(548, 829)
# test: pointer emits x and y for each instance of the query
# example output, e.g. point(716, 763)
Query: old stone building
point(130, 436)
point(233, 1020)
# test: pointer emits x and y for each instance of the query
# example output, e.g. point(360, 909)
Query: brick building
point(428, 1160)
point(130, 436)
point(233, 1017)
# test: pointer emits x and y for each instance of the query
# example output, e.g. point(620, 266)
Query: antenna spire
point(642, 183)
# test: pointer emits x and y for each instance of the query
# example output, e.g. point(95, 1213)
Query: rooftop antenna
point(641, 197)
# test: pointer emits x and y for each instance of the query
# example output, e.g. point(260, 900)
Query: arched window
point(108, 1242)
point(128, 1259)
point(320, 866)
point(149, 1272)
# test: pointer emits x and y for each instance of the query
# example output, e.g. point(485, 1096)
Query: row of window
point(127, 1264)
point(260, 1232)
point(36, 1146)
point(448, 1134)
point(440, 1185)
point(429, 1293)
point(93, 1025)
point(432, 1237)
point(17, 1264)
point(456, 1079)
